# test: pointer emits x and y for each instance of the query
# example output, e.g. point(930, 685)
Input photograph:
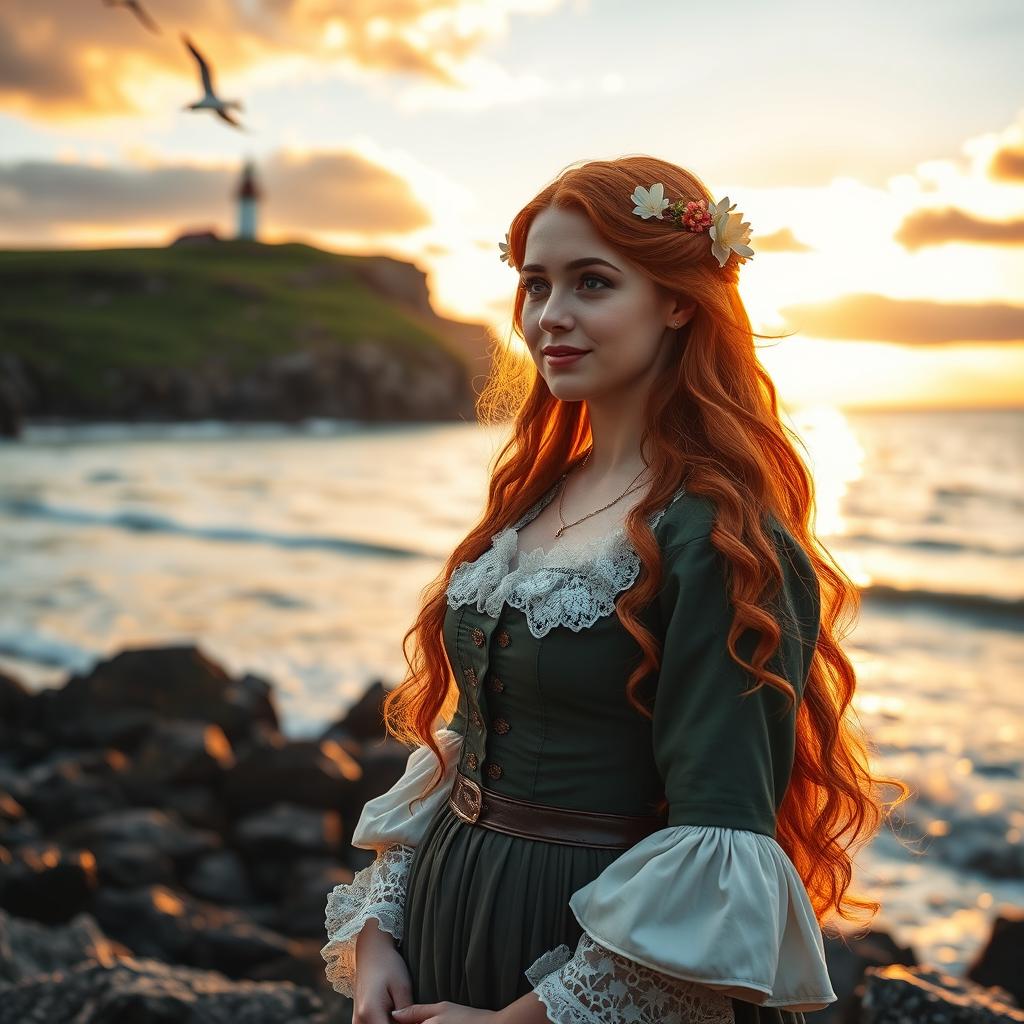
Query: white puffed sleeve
point(695, 914)
point(709, 908)
point(389, 826)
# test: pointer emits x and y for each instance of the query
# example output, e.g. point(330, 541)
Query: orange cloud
point(782, 240)
point(325, 191)
point(936, 227)
point(867, 317)
point(69, 58)
point(1007, 164)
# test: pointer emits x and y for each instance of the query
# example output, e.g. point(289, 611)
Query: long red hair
point(712, 421)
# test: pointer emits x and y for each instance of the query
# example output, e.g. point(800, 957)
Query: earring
point(675, 323)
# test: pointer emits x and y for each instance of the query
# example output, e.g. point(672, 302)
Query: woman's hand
point(382, 978)
point(442, 1013)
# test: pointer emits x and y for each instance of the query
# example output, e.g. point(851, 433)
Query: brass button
point(494, 769)
point(478, 636)
point(471, 761)
point(503, 638)
point(475, 718)
point(501, 726)
point(471, 675)
point(496, 684)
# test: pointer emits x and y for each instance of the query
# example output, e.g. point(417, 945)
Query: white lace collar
point(571, 585)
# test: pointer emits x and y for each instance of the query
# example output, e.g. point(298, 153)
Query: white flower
point(649, 203)
point(503, 248)
point(728, 231)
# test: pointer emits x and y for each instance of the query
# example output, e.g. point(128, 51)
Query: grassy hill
point(75, 314)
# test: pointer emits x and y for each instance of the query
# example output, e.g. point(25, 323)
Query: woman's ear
point(681, 312)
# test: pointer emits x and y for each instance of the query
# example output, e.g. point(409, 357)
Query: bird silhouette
point(138, 10)
point(210, 100)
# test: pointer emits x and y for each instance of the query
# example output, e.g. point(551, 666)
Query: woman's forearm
point(526, 1009)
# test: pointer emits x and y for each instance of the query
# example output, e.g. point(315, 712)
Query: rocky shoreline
point(166, 854)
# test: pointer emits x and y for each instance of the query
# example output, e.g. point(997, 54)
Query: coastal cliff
point(228, 330)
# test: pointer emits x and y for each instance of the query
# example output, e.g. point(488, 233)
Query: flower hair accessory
point(728, 230)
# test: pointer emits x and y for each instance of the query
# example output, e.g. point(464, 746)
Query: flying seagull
point(135, 6)
point(210, 100)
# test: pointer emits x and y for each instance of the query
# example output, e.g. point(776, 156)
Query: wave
point(974, 547)
point(151, 522)
point(1004, 613)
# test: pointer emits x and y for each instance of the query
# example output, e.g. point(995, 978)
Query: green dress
point(704, 920)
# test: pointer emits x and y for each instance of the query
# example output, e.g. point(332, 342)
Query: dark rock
point(893, 995)
point(1001, 961)
point(847, 957)
point(199, 806)
point(128, 865)
point(306, 772)
point(46, 882)
point(171, 925)
point(70, 789)
point(364, 720)
point(161, 831)
point(15, 700)
point(178, 752)
point(220, 877)
point(28, 948)
point(131, 991)
point(123, 698)
point(285, 830)
point(304, 895)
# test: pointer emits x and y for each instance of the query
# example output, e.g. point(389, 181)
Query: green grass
point(80, 312)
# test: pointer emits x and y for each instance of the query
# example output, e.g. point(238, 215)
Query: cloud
point(320, 191)
point(936, 227)
point(782, 240)
point(907, 321)
point(1007, 164)
point(72, 58)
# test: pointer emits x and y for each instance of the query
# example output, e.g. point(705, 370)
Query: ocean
point(301, 554)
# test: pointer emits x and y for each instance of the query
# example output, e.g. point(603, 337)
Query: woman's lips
point(563, 360)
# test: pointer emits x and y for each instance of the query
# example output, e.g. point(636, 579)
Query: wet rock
point(364, 720)
point(163, 832)
point(307, 772)
point(198, 806)
point(286, 831)
point(15, 700)
point(184, 752)
point(893, 995)
point(124, 697)
point(139, 991)
point(220, 877)
point(72, 789)
point(47, 882)
point(168, 924)
point(304, 895)
point(847, 958)
point(28, 948)
point(1001, 960)
point(129, 865)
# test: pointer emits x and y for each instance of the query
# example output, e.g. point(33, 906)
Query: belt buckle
point(466, 799)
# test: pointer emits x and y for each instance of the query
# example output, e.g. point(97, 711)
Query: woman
point(644, 804)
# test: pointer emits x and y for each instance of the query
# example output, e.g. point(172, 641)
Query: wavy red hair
point(712, 422)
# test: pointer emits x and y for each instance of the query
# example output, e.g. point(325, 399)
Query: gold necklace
point(565, 526)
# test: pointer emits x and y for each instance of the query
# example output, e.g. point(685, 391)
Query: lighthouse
point(248, 195)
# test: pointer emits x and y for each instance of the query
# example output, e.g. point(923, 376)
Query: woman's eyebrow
point(573, 264)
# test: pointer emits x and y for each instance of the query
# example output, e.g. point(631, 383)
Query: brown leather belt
point(530, 820)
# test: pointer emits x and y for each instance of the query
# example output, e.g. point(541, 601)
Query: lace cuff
point(597, 986)
point(378, 890)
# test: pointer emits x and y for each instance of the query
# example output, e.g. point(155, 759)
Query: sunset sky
point(877, 150)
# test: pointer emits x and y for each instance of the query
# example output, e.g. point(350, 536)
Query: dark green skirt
point(482, 906)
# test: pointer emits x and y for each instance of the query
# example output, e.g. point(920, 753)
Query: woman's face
point(604, 306)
